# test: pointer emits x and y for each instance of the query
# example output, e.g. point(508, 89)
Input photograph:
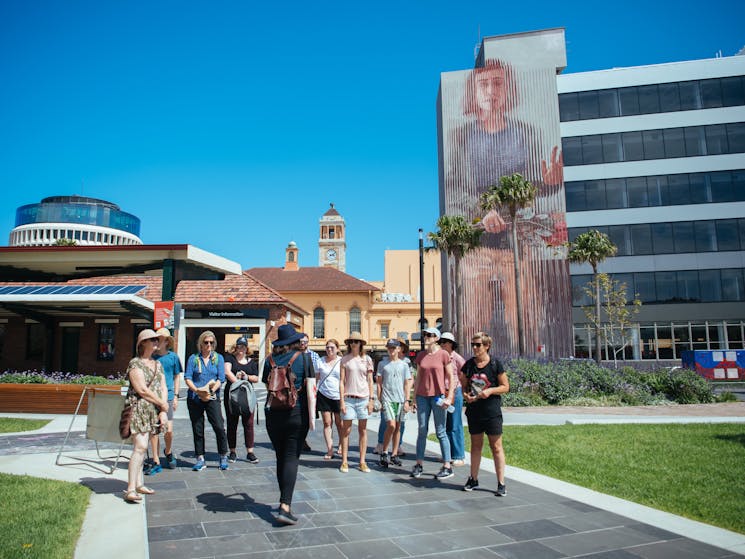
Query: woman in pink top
point(434, 379)
point(355, 391)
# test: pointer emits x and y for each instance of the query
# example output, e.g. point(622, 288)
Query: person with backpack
point(286, 373)
point(240, 367)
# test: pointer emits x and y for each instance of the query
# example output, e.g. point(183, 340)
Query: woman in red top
point(434, 379)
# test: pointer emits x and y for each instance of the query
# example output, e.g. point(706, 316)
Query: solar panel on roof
point(71, 289)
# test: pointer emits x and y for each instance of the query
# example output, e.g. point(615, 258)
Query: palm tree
point(592, 247)
point(455, 236)
point(513, 192)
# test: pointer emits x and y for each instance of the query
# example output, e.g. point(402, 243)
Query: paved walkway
point(380, 514)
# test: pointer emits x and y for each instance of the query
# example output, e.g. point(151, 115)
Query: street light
point(421, 286)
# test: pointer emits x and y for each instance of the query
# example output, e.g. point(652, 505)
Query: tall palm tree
point(514, 193)
point(455, 236)
point(592, 247)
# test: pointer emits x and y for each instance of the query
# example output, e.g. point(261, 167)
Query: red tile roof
point(309, 279)
point(233, 289)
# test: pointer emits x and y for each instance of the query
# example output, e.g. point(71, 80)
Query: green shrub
point(726, 396)
point(522, 399)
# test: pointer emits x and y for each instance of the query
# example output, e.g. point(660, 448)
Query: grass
point(40, 517)
point(15, 425)
point(692, 470)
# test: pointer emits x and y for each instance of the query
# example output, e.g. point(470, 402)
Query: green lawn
point(14, 425)
point(692, 470)
point(40, 517)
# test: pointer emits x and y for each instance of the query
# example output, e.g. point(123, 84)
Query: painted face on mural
point(491, 90)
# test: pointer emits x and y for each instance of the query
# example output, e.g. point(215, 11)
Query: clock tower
point(332, 244)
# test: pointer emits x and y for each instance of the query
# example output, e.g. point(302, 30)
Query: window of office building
point(653, 98)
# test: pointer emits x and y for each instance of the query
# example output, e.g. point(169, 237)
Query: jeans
point(248, 426)
point(197, 409)
point(454, 427)
point(424, 406)
point(287, 430)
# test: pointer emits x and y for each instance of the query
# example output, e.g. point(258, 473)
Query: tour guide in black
point(484, 381)
point(287, 429)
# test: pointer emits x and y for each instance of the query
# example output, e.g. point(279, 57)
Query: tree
point(617, 312)
point(455, 236)
point(592, 247)
point(514, 193)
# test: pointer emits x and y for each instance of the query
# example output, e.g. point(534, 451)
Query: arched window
point(355, 320)
point(291, 257)
point(319, 319)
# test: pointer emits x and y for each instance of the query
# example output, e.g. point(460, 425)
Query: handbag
point(125, 421)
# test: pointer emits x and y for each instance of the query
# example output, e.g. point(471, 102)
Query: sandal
point(328, 456)
point(132, 497)
point(144, 490)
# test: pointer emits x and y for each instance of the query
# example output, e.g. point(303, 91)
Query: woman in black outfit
point(287, 429)
point(484, 382)
point(239, 366)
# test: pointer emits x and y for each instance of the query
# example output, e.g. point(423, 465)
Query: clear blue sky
point(232, 125)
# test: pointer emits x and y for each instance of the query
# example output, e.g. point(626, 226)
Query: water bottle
point(441, 400)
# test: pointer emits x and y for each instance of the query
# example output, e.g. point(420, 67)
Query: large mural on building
point(498, 119)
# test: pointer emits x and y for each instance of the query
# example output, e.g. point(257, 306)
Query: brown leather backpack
point(282, 394)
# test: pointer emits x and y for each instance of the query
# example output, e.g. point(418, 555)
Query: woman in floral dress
point(148, 397)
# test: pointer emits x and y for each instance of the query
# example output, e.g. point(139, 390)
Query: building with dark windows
point(86, 221)
point(654, 156)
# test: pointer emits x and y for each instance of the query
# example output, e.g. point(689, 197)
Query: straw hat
point(166, 333)
point(356, 337)
point(146, 334)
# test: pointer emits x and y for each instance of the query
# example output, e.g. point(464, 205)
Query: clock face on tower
point(331, 254)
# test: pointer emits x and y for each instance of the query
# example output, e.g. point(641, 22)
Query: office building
point(654, 156)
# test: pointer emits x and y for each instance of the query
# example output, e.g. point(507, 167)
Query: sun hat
point(146, 334)
point(393, 343)
point(165, 333)
point(449, 337)
point(355, 336)
point(287, 335)
point(432, 330)
point(242, 341)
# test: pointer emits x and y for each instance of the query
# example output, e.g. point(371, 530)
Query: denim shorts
point(356, 408)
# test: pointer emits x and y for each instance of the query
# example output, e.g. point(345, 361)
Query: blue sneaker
point(200, 465)
point(154, 469)
point(170, 461)
point(224, 462)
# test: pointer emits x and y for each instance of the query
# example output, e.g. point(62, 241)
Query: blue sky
point(232, 125)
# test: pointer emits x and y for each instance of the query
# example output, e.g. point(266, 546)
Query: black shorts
point(327, 404)
point(489, 425)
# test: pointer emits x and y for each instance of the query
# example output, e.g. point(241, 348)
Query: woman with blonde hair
point(148, 397)
point(205, 374)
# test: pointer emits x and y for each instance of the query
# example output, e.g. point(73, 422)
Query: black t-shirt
point(250, 368)
point(483, 378)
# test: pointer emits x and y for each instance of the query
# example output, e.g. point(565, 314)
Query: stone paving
point(380, 514)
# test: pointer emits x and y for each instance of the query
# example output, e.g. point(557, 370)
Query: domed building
point(86, 221)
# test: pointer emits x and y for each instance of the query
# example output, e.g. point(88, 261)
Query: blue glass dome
point(79, 210)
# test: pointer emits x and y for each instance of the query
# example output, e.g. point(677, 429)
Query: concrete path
point(381, 514)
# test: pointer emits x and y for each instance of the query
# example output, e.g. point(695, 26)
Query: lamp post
point(421, 286)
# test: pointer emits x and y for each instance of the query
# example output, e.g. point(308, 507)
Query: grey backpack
point(242, 398)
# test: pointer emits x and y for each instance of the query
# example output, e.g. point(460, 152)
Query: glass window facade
point(712, 139)
point(659, 190)
point(679, 286)
point(655, 98)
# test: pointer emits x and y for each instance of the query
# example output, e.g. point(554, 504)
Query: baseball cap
point(393, 343)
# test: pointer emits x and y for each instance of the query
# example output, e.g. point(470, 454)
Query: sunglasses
point(328, 347)
point(476, 344)
point(430, 335)
point(209, 342)
point(154, 340)
point(355, 342)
